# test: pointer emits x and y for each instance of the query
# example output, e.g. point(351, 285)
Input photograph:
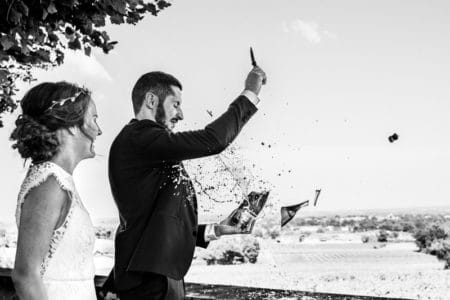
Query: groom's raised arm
point(161, 144)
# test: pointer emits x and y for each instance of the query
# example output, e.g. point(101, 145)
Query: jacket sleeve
point(162, 145)
point(108, 285)
point(201, 237)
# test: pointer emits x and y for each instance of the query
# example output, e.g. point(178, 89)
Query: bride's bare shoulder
point(45, 203)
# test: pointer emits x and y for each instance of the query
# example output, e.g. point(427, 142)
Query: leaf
point(75, 44)
point(69, 30)
point(105, 36)
point(3, 76)
point(44, 14)
point(116, 19)
point(15, 16)
point(69, 33)
point(52, 9)
point(141, 10)
point(6, 42)
point(24, 49)
point(43, 54)
point(150, 7)
point(119, 6)
point(68, 3)
point(109, 46)
point(40, 37)
point(87, 26)
point(133, 2)
point(96, 39)
point(3, 56)
point(98, 20)
point(22, 8)
point(87, 50)
point(52, 37)
point(59, 57)
point(133, 17)
point(163, 4)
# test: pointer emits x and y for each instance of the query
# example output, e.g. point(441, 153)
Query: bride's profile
point(56, 130)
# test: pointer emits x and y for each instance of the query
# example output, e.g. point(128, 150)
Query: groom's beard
point(160, 116)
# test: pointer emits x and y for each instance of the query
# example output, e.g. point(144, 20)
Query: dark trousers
point(155, 287)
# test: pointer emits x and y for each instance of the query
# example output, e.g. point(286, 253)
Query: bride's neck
point(66, 159)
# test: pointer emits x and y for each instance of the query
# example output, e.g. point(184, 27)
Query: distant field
point(395, 270)
point(351, 256)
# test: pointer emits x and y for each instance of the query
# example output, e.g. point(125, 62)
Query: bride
point(54, 258)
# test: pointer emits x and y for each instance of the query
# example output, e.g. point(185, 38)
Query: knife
point(254, 64)
point(252, 56)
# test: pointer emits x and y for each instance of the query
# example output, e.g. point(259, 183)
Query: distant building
point(393, 217)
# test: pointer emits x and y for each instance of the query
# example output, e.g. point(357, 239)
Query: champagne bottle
point(249, 209)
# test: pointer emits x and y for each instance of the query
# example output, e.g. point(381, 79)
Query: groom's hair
point(158, 83)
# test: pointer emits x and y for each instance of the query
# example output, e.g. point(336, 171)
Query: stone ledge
point(198, 291)
point(215, 291)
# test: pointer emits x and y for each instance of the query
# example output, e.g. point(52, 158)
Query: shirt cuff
point(251, 96)
point(210, 233)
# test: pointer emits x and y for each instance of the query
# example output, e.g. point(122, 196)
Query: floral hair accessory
point(61, 102)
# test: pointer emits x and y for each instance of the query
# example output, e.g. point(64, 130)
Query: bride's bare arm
point(43, 210)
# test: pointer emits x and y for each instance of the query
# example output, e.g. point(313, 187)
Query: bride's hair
point(46, 108)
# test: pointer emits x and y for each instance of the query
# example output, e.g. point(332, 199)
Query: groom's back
point(156, 203)
point(134, 181)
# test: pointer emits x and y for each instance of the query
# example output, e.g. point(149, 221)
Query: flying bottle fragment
point(288, 212)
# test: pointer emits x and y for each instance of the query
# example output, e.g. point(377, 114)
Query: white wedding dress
point(68, 268)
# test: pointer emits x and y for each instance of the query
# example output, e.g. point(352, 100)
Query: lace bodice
point(68, 265)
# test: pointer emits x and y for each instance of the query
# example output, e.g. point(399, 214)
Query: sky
point(342, 77)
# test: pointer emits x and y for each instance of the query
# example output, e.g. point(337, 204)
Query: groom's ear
point(151, 100)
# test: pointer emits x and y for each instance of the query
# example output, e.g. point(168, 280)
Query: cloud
point(311, 30)
point(87, 66)
point(77, 68)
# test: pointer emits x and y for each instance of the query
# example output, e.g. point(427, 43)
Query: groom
point(158, 229)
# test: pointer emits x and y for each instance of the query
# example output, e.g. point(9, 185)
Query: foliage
point(391, 226)
point(407, 227)
point(440, 248)
point(321, 230)
point(424, 237)
point(232, 250)
point(365, 239)
point(434, 240)
point(382, 236)
point(334, 221)
point(104, 233)
point(397, 223)
point(368, 224)
point(34, 34)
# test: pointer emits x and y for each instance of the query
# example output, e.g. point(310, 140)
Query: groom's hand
point(255, 79)
point(225, 227)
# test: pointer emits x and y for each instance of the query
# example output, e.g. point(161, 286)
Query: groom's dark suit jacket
point(157, 204)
